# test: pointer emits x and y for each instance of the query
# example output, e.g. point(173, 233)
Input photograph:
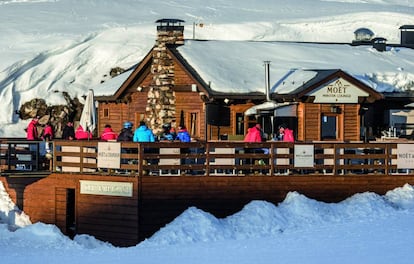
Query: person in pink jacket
point(254, 134)
point(31, 130)
point(108, 133)
point(47, 133)
point(80, 133)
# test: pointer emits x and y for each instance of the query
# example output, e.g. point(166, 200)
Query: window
point(193, 123)
point(106, 112)
point(138, 118)
point(239, 124)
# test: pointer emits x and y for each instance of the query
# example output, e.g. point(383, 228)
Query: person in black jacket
point(126, 135)
point(68, 132)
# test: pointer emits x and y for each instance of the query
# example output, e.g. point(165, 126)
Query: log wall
point(108, 218)
point(157, 200)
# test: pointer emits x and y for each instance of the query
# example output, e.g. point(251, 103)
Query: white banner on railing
point(304, 156)
point(109, 155)
point(405, 156)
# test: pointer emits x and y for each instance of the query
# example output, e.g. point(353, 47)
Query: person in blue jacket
point(183, 134)
point(143, 134)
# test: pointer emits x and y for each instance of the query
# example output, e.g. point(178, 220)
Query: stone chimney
point(380, 44)
point(161, 98)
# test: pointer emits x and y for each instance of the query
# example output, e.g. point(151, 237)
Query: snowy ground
point(365, 228)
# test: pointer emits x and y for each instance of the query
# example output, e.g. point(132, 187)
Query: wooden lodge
point(347, 141)
point(170, 85)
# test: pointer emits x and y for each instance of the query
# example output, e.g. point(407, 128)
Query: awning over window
point(280, 109)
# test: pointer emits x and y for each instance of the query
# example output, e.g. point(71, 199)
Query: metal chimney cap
point(169, 21)
point(407, 27)
point(379, 39)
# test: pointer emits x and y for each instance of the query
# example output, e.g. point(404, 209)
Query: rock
point(56, 115)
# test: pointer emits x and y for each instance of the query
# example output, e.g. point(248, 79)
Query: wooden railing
point(229, 158)
point(20, 155)
point(203, 158)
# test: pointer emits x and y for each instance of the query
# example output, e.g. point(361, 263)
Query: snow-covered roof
point(109, 87)
point(238, 66)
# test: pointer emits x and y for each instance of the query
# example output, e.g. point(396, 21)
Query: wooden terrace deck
point(166, 178)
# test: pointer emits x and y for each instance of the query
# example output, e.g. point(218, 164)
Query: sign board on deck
point(304, 156)
point(405, 156)
point(109, 155)
point(106, 188)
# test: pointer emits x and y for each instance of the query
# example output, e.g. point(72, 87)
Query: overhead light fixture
point(139, 88)
point(226, 100)
point(335, 109)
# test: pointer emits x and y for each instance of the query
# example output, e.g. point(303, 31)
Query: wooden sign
point(338, 91)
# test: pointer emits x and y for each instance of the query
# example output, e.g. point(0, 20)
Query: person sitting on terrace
point(183, 134)
point(254, 134)
point(126, 133)
point(68, 132)
point(168, 133)
point(108, 133)
point(80, 133)
point(143, 134)
point(31, 130)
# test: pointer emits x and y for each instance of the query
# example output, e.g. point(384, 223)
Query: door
point(329, 127)
point(70, 213)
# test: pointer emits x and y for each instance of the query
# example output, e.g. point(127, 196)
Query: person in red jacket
point(108, 133)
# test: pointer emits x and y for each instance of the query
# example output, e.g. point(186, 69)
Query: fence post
point(207, 163)
point(272, 158)
point(140, 159)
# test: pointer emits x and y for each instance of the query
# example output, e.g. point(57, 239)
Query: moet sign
point(337, 91)
point(304, 156)
point(405, 156)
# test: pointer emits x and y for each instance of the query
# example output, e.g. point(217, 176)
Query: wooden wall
point(190, 102)
point(181, 77)
point(309, 121)
point(108, 218)
point(16, 186)
point(156, 201)
point(352, 122)
point(164, 198)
